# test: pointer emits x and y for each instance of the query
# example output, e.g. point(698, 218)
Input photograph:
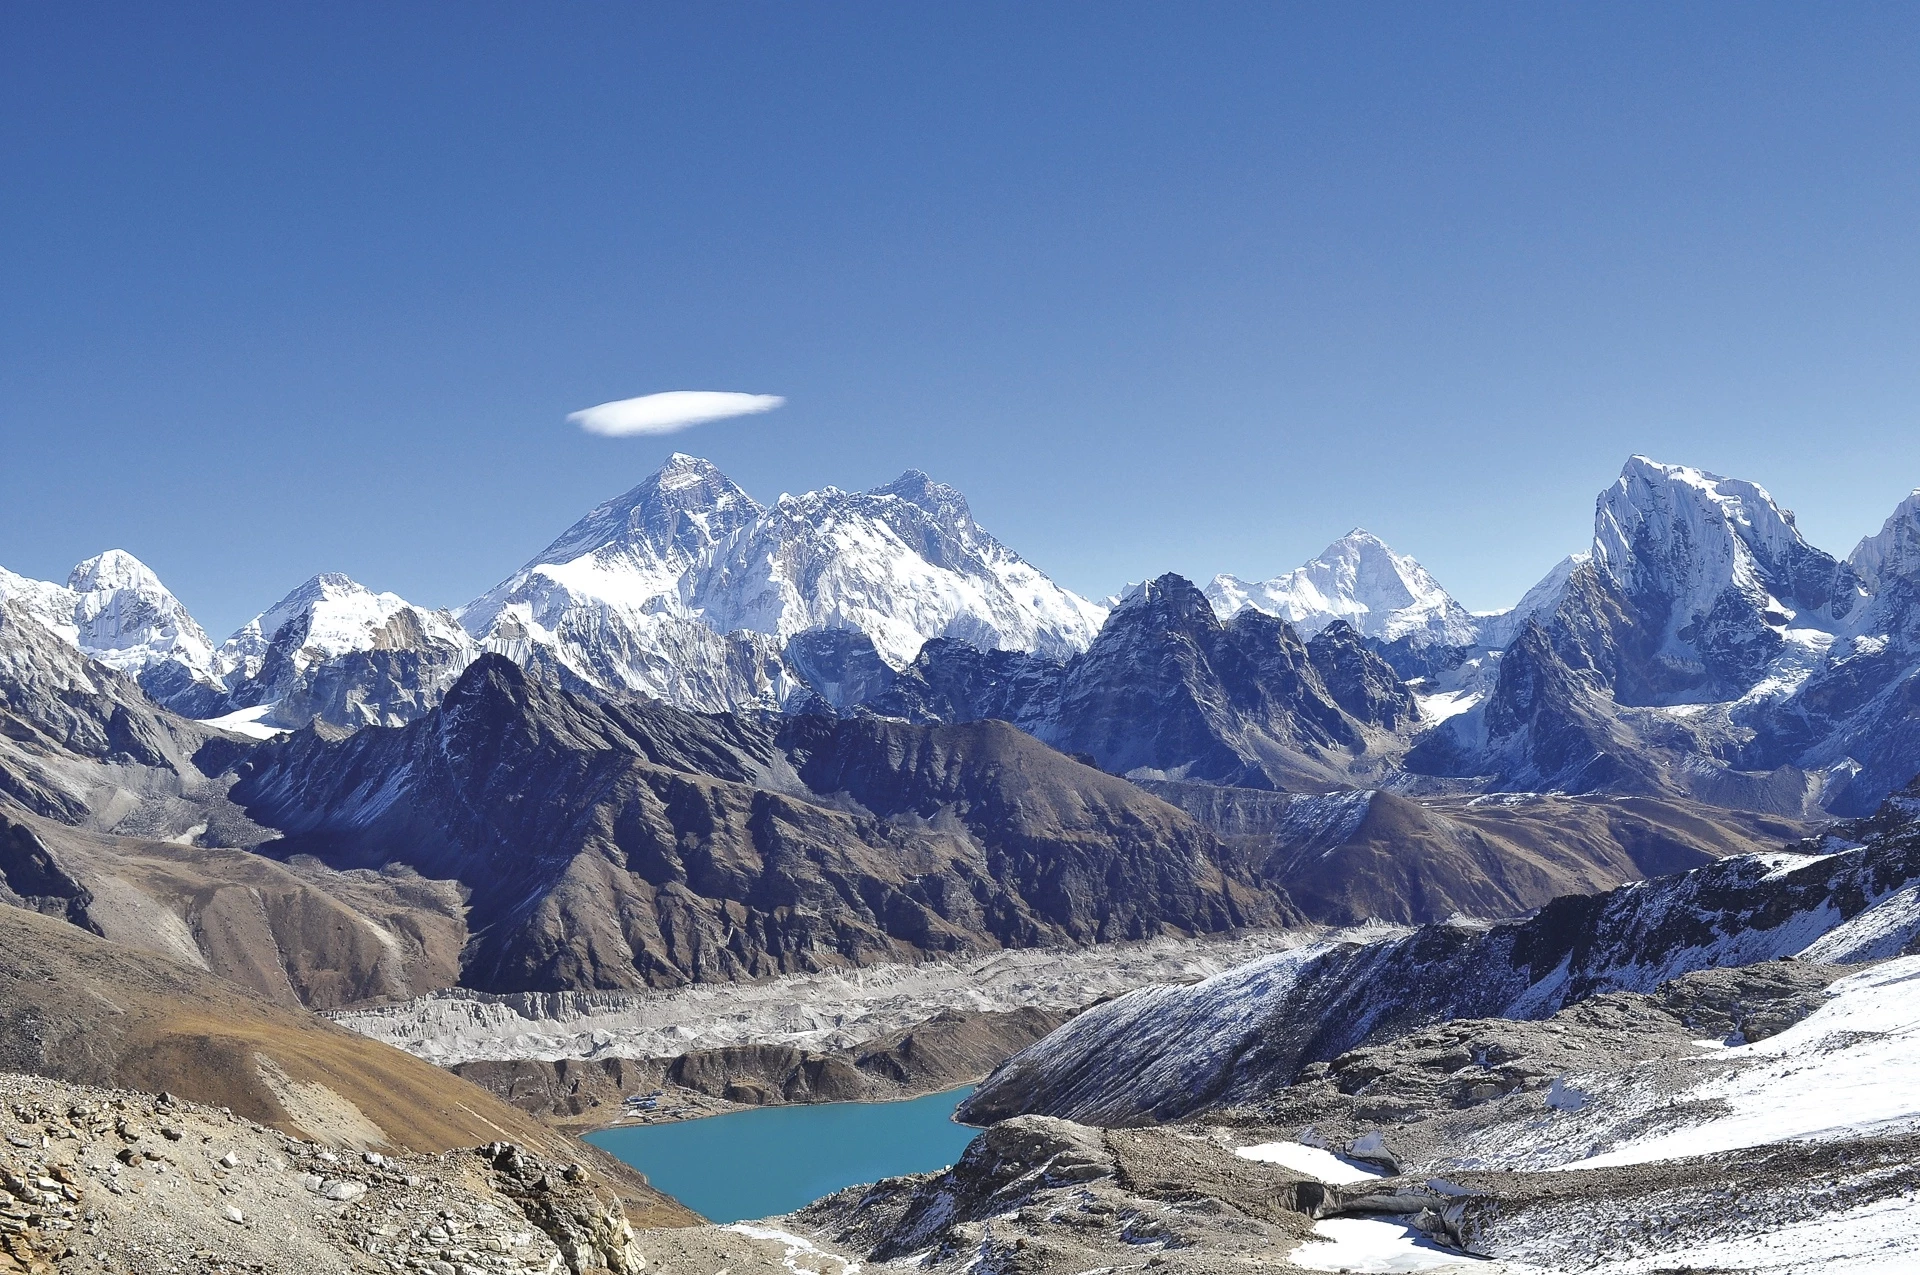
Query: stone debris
point(123, 1183)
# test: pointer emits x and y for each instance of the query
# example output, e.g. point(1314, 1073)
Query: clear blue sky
point(288, 288)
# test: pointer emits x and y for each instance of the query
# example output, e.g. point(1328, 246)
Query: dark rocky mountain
point(69, 724)
point(1160, 1053)
point(626, 843)
point(1170, 690)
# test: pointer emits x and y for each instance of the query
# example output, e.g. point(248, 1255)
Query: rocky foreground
point(117, 1181)
point(1759, 1119)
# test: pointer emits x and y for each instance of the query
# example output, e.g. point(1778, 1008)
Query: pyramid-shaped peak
point(114, 569)
point(1170, 592)
point(1893, 551)
point(677, 509)
point(681, 467)
point(916, 488)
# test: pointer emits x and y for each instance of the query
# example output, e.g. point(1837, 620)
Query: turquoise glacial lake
point(770, 1160)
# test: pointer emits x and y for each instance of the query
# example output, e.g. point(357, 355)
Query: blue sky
point(289, 288)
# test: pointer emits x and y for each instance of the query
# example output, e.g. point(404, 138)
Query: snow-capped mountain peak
point(114, 608)
point(329, 616)
point(1693, 535)
point(674, 515)
point(687, 588)
point(903, 563)
point(336, 649)
point(114, 569)
point(1361, 580)
point(1499, 628)
point(947, 506)
point(1894, 551)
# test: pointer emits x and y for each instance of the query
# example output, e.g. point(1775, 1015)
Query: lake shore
point(764, 1162)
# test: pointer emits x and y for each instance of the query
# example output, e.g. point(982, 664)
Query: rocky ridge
point(676, 846)
point(1162, 1053)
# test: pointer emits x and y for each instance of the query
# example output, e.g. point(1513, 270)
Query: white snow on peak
point(687, 588)
point(114, 609)
point(1360, 580)
point(1895, 550)
point(1499, 628)
point(50, 605)
point(902, 563)
point(1693, 535)
point(329, 616)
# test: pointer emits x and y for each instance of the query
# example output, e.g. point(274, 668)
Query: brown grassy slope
point(78, 1008)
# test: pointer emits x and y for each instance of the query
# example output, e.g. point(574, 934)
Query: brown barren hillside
point(78, 1008)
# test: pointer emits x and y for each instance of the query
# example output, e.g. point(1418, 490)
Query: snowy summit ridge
point(114, 608)
point(1359, 579)
point(688, 589)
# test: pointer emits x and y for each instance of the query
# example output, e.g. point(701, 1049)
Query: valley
point(716, 806)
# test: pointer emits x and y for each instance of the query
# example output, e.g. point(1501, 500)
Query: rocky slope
point(1694, 1127)
point(81, 1010)
point(629, 844)
point(116, 1180)
point(81, 742)
point(1349, 857)
point(1161, 1053)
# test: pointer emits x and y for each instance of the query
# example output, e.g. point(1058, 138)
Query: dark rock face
point(57, 707)
point(1161, 1053)
point(1365, 686)
point(31, 878)
point(1553, 723)
point(629, 844)
point(840, 666)
point(1170, 689)
point(954, 682)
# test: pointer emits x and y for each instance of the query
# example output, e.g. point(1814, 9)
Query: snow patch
point(247, 721)
point(1849, 1069)
point(1370, 1245)
point(1316, 1162)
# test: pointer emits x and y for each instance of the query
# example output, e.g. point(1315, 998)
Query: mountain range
point(701, 738)
point(1700, 647)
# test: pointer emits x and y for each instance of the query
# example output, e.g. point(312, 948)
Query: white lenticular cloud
point(669, 412)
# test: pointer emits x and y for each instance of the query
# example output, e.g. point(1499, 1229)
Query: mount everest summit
point(688, 589)
point(1699, 646)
